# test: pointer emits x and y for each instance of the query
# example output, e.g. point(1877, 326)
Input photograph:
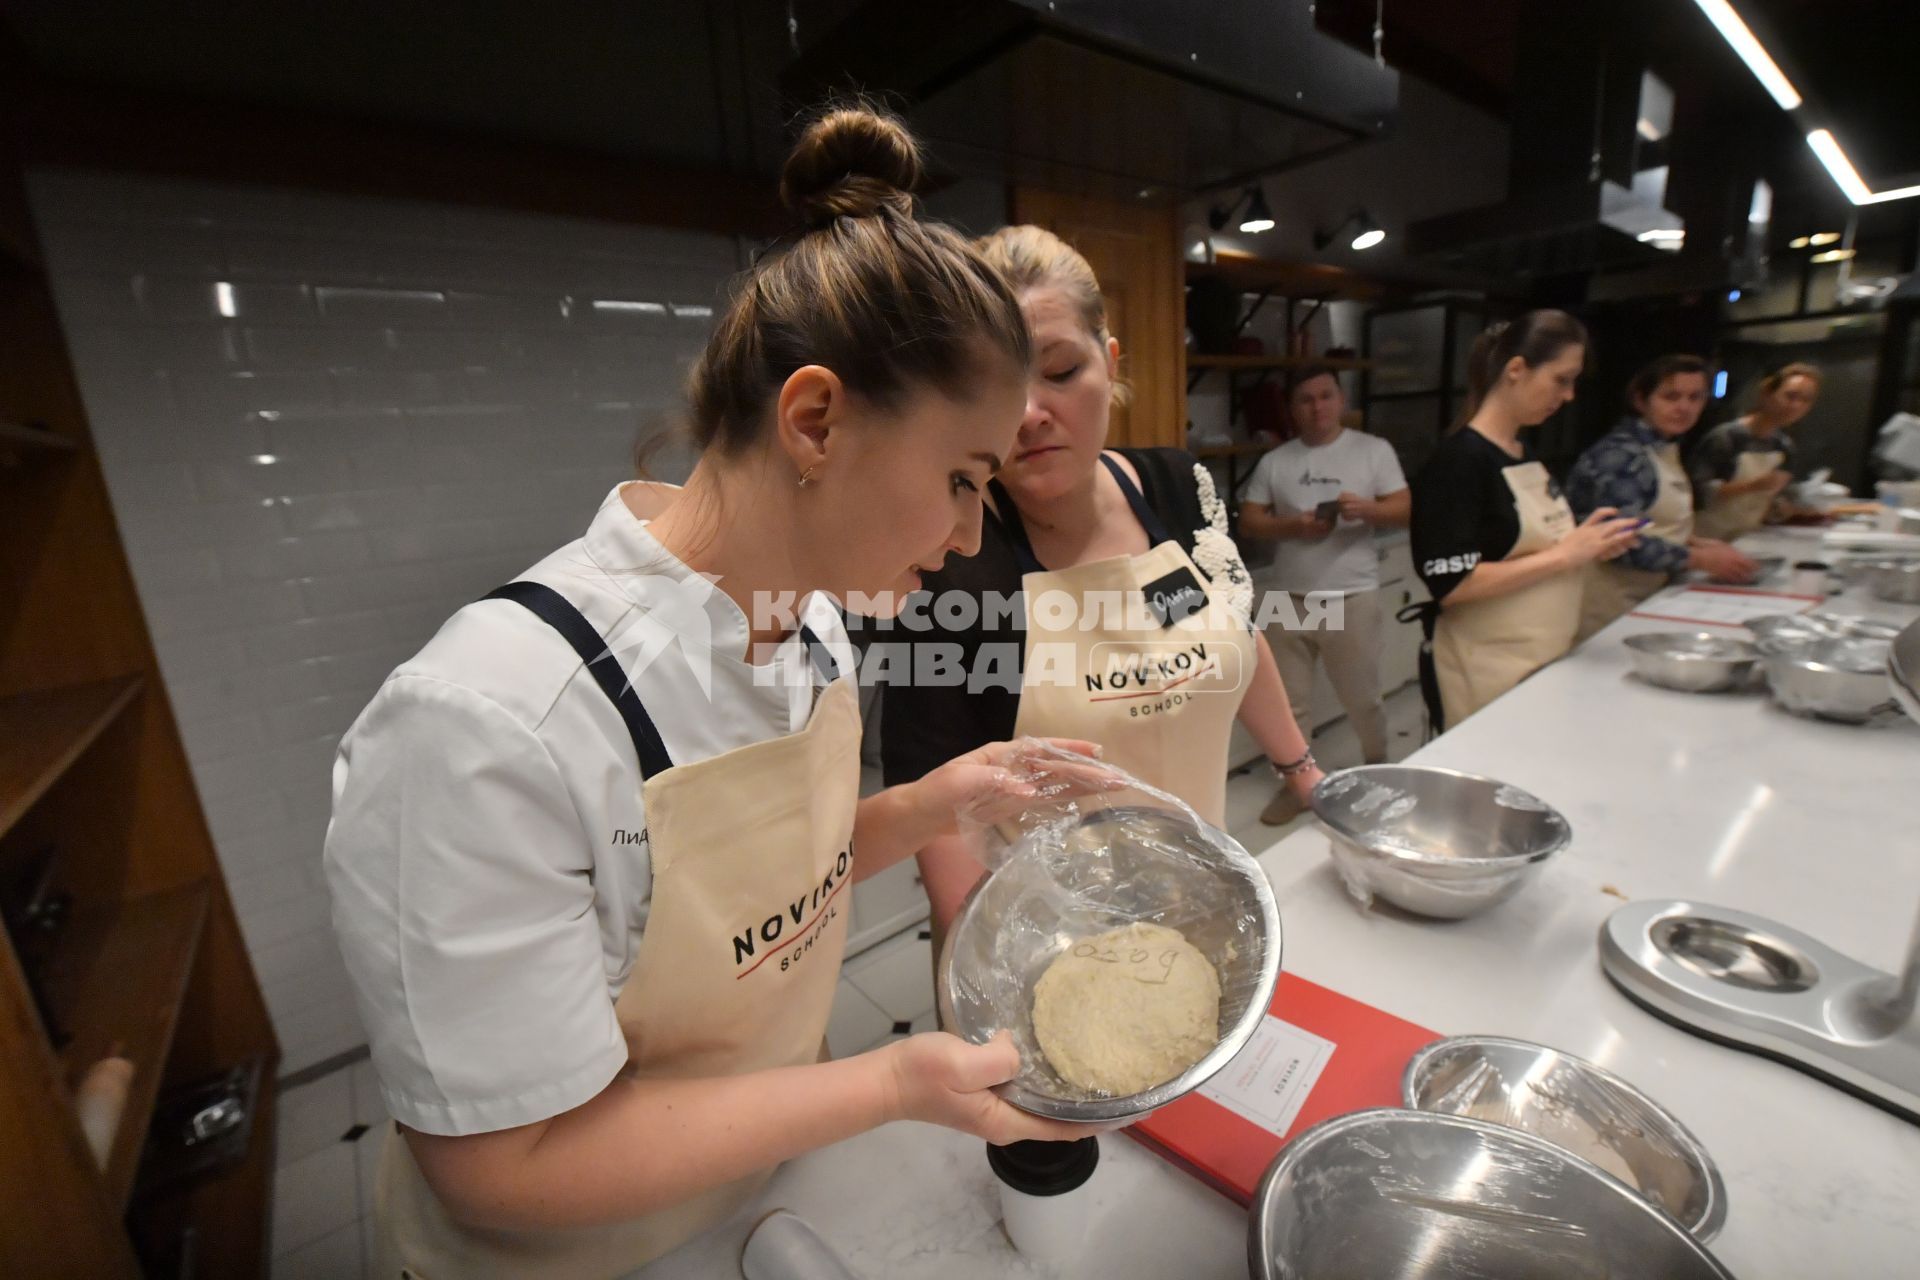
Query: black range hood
point(1134, 98)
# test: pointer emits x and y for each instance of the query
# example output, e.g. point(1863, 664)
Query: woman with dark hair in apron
point(1636, 470)
point(590, 846)
point(1493, 537)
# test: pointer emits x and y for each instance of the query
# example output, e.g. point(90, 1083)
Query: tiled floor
point(330, 1135)
point(322, 1220)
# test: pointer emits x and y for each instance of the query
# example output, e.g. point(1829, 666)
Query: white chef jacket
point(487, 854)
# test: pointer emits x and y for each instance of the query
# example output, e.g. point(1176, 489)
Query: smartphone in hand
point(1328, 512)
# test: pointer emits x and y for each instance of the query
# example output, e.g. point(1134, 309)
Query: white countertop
point(1723, 798)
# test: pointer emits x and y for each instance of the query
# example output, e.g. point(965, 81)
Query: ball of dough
point(1127, 1010)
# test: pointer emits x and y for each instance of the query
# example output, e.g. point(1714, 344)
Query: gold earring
point(806, 477)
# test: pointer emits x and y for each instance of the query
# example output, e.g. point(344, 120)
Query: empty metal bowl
point(1817, 626)
point(1838, 678)
point(1903, 668)
point(1692, 661)
point(1411, 1195)
point(1432, 841)
point(1895, 580)
point(1116, 866)
point(1576, 1105)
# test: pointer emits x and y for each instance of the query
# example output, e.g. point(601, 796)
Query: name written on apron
point(809, 916)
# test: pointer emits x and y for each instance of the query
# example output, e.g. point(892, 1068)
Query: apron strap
point(819, 654)
point(1156, 532)
point(1427, 613)
point(1009, 516)
point(559, 613)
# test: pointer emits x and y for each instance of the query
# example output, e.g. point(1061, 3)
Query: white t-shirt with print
point(1294, 479)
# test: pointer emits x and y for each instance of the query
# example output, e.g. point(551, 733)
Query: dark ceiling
point(695, 83)
point(1853, 60)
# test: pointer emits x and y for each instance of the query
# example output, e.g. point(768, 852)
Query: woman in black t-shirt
point(1493, 537)
point(1106, 603)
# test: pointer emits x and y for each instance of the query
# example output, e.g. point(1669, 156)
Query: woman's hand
point(1003, 779)
point(1720, 561)
point(1601, 536)
point(942, 1079)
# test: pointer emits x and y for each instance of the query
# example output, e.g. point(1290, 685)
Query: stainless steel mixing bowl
point(1433, 841)
point(1903, 668)
point(1410, 1195)
point(1692, 661)
point(1895, 580)
point(1843, 679)
point(1116, 866)
point(1568, 1101)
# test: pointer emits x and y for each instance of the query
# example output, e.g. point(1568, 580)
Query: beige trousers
point(1352, 658)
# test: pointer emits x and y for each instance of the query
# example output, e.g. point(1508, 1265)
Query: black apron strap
point(558, 612)
point(1427, 613)
point(1156, 532)
point(819, 654)
point(1009, 516)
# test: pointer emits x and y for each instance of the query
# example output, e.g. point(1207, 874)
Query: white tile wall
point(326, 423)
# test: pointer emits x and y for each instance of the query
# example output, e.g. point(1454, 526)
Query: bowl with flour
point(1130, 951)
point(1579, 1107)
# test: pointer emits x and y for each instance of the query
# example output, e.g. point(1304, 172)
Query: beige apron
point(1484, 647)
point(1727, 518)
point(1612, 588)
point(736, 971)
point(1159, 699)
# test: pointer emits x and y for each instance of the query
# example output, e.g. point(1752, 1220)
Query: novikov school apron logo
point(1156, 677)
point(791, 931)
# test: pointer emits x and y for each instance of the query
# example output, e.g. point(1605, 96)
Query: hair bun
point(850, 163)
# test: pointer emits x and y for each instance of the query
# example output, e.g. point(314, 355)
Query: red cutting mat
point(1369, 1051)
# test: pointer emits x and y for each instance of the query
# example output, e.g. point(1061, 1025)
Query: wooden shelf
point(43, 732)
point(116, 985)
point(1199, 360)
point(1288, 279)
point(16, 440)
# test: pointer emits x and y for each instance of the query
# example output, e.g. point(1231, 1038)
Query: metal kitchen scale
point(1757, 985)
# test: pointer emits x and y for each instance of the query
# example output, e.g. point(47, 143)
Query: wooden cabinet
point(1134, 250)
point(98, 811)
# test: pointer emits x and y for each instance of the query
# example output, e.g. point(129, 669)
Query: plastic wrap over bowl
point(1433, 841)
point(1411, 1195)
point(1064, 883)
point(1576, 1105)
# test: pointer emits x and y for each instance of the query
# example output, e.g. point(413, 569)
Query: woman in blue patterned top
point(1636, 469)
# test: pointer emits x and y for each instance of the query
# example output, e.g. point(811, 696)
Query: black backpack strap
point(559, 613)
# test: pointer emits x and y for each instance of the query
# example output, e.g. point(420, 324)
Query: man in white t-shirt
point(1320, 496)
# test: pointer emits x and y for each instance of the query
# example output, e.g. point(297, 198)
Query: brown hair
point(1778, 378)
point(1031, 257)
point(1307, 373)
point(887, 302)
point(1656, 371)
point(1536, 337)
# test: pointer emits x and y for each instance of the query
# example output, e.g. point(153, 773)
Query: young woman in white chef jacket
point(590, 846)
